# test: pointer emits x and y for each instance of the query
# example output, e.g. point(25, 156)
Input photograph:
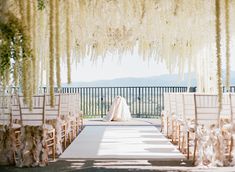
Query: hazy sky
point(113, 67)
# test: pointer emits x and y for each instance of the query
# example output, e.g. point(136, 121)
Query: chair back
point(166, 102)
point(189, 106)
point(64, 104)
point(5, 110)
point(206, 109)
point(172, 98)
point(77, 104)
point(226, 107)
point(36, 114)
point(72, 104)
point(179, 104)
point(52, 112)
point(232, 107)
point(226, 111)
point(15, 109)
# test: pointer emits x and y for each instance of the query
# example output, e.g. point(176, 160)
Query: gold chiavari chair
point(35, 116)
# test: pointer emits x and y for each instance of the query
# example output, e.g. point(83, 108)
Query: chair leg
point(77, 126)
point(54, 149)
point(82, 124)
point(65, 137)
point(194, 151)
point(167, 126)
point(182, 144)
point(179, 137)
point(172, 131)
point(69, 137)
point(188, 145)
point(162, 123)
point(14, 157)
point(230, 149)
point(73, 132)
point(65, 140)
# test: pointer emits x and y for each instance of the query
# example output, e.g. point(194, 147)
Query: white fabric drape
point(119, 110)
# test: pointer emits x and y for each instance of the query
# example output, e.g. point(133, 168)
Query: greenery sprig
point(41, 5)
point(14, 50)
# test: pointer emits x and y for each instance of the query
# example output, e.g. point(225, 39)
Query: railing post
point(102, 102)
point(44, 90)
point(192, 89)
point(139, 101)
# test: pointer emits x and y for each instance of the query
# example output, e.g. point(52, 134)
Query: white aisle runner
point(121, 142)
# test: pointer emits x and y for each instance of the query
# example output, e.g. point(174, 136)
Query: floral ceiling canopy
point(187, 34)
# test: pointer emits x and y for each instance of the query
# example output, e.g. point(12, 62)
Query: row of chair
point(186, 115)
point(62, 121)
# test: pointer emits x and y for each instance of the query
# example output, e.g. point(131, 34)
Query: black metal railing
point(144, 102)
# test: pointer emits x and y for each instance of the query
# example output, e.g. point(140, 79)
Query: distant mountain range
point(162, 80)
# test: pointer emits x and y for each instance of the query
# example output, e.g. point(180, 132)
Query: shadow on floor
point(96, 166)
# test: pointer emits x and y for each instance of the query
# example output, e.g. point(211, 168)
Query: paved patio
point(122, 142)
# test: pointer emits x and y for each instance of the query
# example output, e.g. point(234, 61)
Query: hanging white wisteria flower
point(51, 50)
point(227, 36)
point(57, 22)
point(218, 52)
point(176, 32)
